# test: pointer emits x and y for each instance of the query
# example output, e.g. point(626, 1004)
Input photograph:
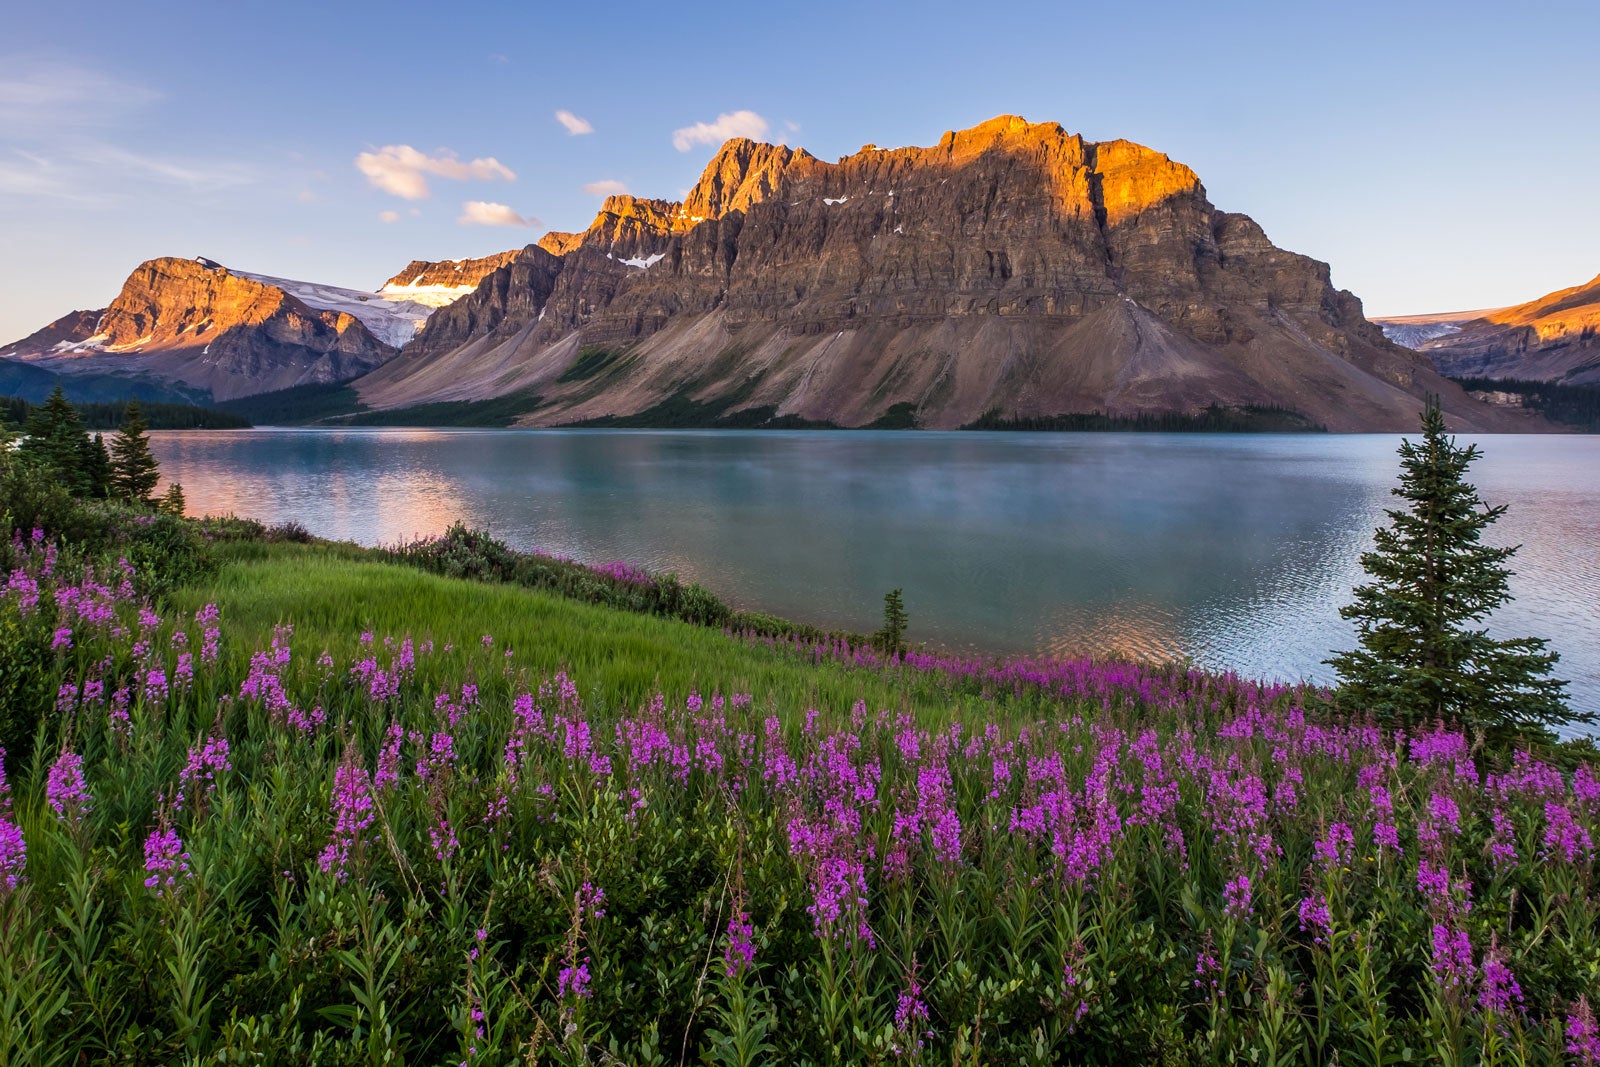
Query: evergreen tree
point(96, 467)
point(55, 437)
point(172, 501)
point(134, 471)
point(1423, 656)
point(892, 637)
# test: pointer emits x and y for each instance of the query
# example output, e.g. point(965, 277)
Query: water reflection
point(1237, 551)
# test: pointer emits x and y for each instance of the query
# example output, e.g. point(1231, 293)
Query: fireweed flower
point(1236, 898)
point(1565, 837)
point(911, 1012)
point(1335, 847)
point(164, 859)
point(573, 980)
point(741, 954)
point(13, 849)
point(352, 816)
point(206, 762)
point(1583, 1035)
point(1315, 919)
point(1451, 959)
point(65, 790)
point(388, 772)
point(1499, 991)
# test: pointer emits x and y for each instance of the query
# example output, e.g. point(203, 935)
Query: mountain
point(198, 329)
point(1555, 338)
point(441, 284)
point(1013, 270)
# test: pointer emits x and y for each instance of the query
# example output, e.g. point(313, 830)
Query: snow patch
point(394, 321)
point(434, 296)
point(830, 201)
point(1415, 335)
point(645, 263)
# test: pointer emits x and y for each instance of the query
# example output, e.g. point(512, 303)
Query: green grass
point(296, 405)
point(589, 362)
point(623, 658)
point(497, 412)
point(1251, 418)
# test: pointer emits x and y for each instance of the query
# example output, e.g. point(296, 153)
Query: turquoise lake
point(1235, 550)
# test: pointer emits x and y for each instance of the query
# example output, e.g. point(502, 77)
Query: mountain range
point(1012, 273)
point(1555, 338)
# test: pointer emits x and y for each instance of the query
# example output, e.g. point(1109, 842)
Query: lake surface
point(1236, 550)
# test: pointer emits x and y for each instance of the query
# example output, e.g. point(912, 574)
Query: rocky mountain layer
point(1012, 269)
point(1555, 338)
point(69, 331)
point(198, 325)
point(443, 283)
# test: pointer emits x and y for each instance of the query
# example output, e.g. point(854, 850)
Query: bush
point(25, 671)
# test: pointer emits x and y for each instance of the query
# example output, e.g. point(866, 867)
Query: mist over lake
point(1235, 550)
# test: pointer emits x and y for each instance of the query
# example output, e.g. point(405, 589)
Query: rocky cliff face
point(199, 325)
point(69, 331)
point(1555, 338)
point(1012, 269)
point(443, 283)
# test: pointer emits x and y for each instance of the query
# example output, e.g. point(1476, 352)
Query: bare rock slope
point(1555, 338)
point(1012, 270)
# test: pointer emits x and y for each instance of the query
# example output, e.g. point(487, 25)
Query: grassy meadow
point(312, 807)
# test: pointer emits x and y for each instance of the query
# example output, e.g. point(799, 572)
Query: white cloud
point(609, 187)
point(402, 170)
point(575, 126)
point(483, 213)
point(728, 125)
point(388, 216)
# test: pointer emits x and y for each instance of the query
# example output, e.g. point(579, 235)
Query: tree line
point(87, 465)
point(108, 415)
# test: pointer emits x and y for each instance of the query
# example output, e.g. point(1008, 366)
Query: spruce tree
point(55, 437)
point(1423, 656)
point(892, 637)
point(134, 471)
point(96, 467)
point(172, 502)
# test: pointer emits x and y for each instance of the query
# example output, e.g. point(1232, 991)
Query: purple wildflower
point(1583, 1035)
point(13, 849)
point(573, 980)
point(1315, 918)
point(1451, 960)
point(911, 1013)
point(65, 789)
point(1335, 847)
point(165, 859)
point(1236, 898)
point(741, 955)
point(352, 816)
point(1499, 991)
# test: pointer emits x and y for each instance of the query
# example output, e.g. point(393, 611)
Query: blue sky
point(1439, 155)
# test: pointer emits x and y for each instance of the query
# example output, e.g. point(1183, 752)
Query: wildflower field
point(321, 811)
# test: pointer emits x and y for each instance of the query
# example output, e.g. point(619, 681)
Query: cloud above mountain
point(486, 213)
point(608, 187)
point(575, 126)
point(729, 124)
point(403, 171)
